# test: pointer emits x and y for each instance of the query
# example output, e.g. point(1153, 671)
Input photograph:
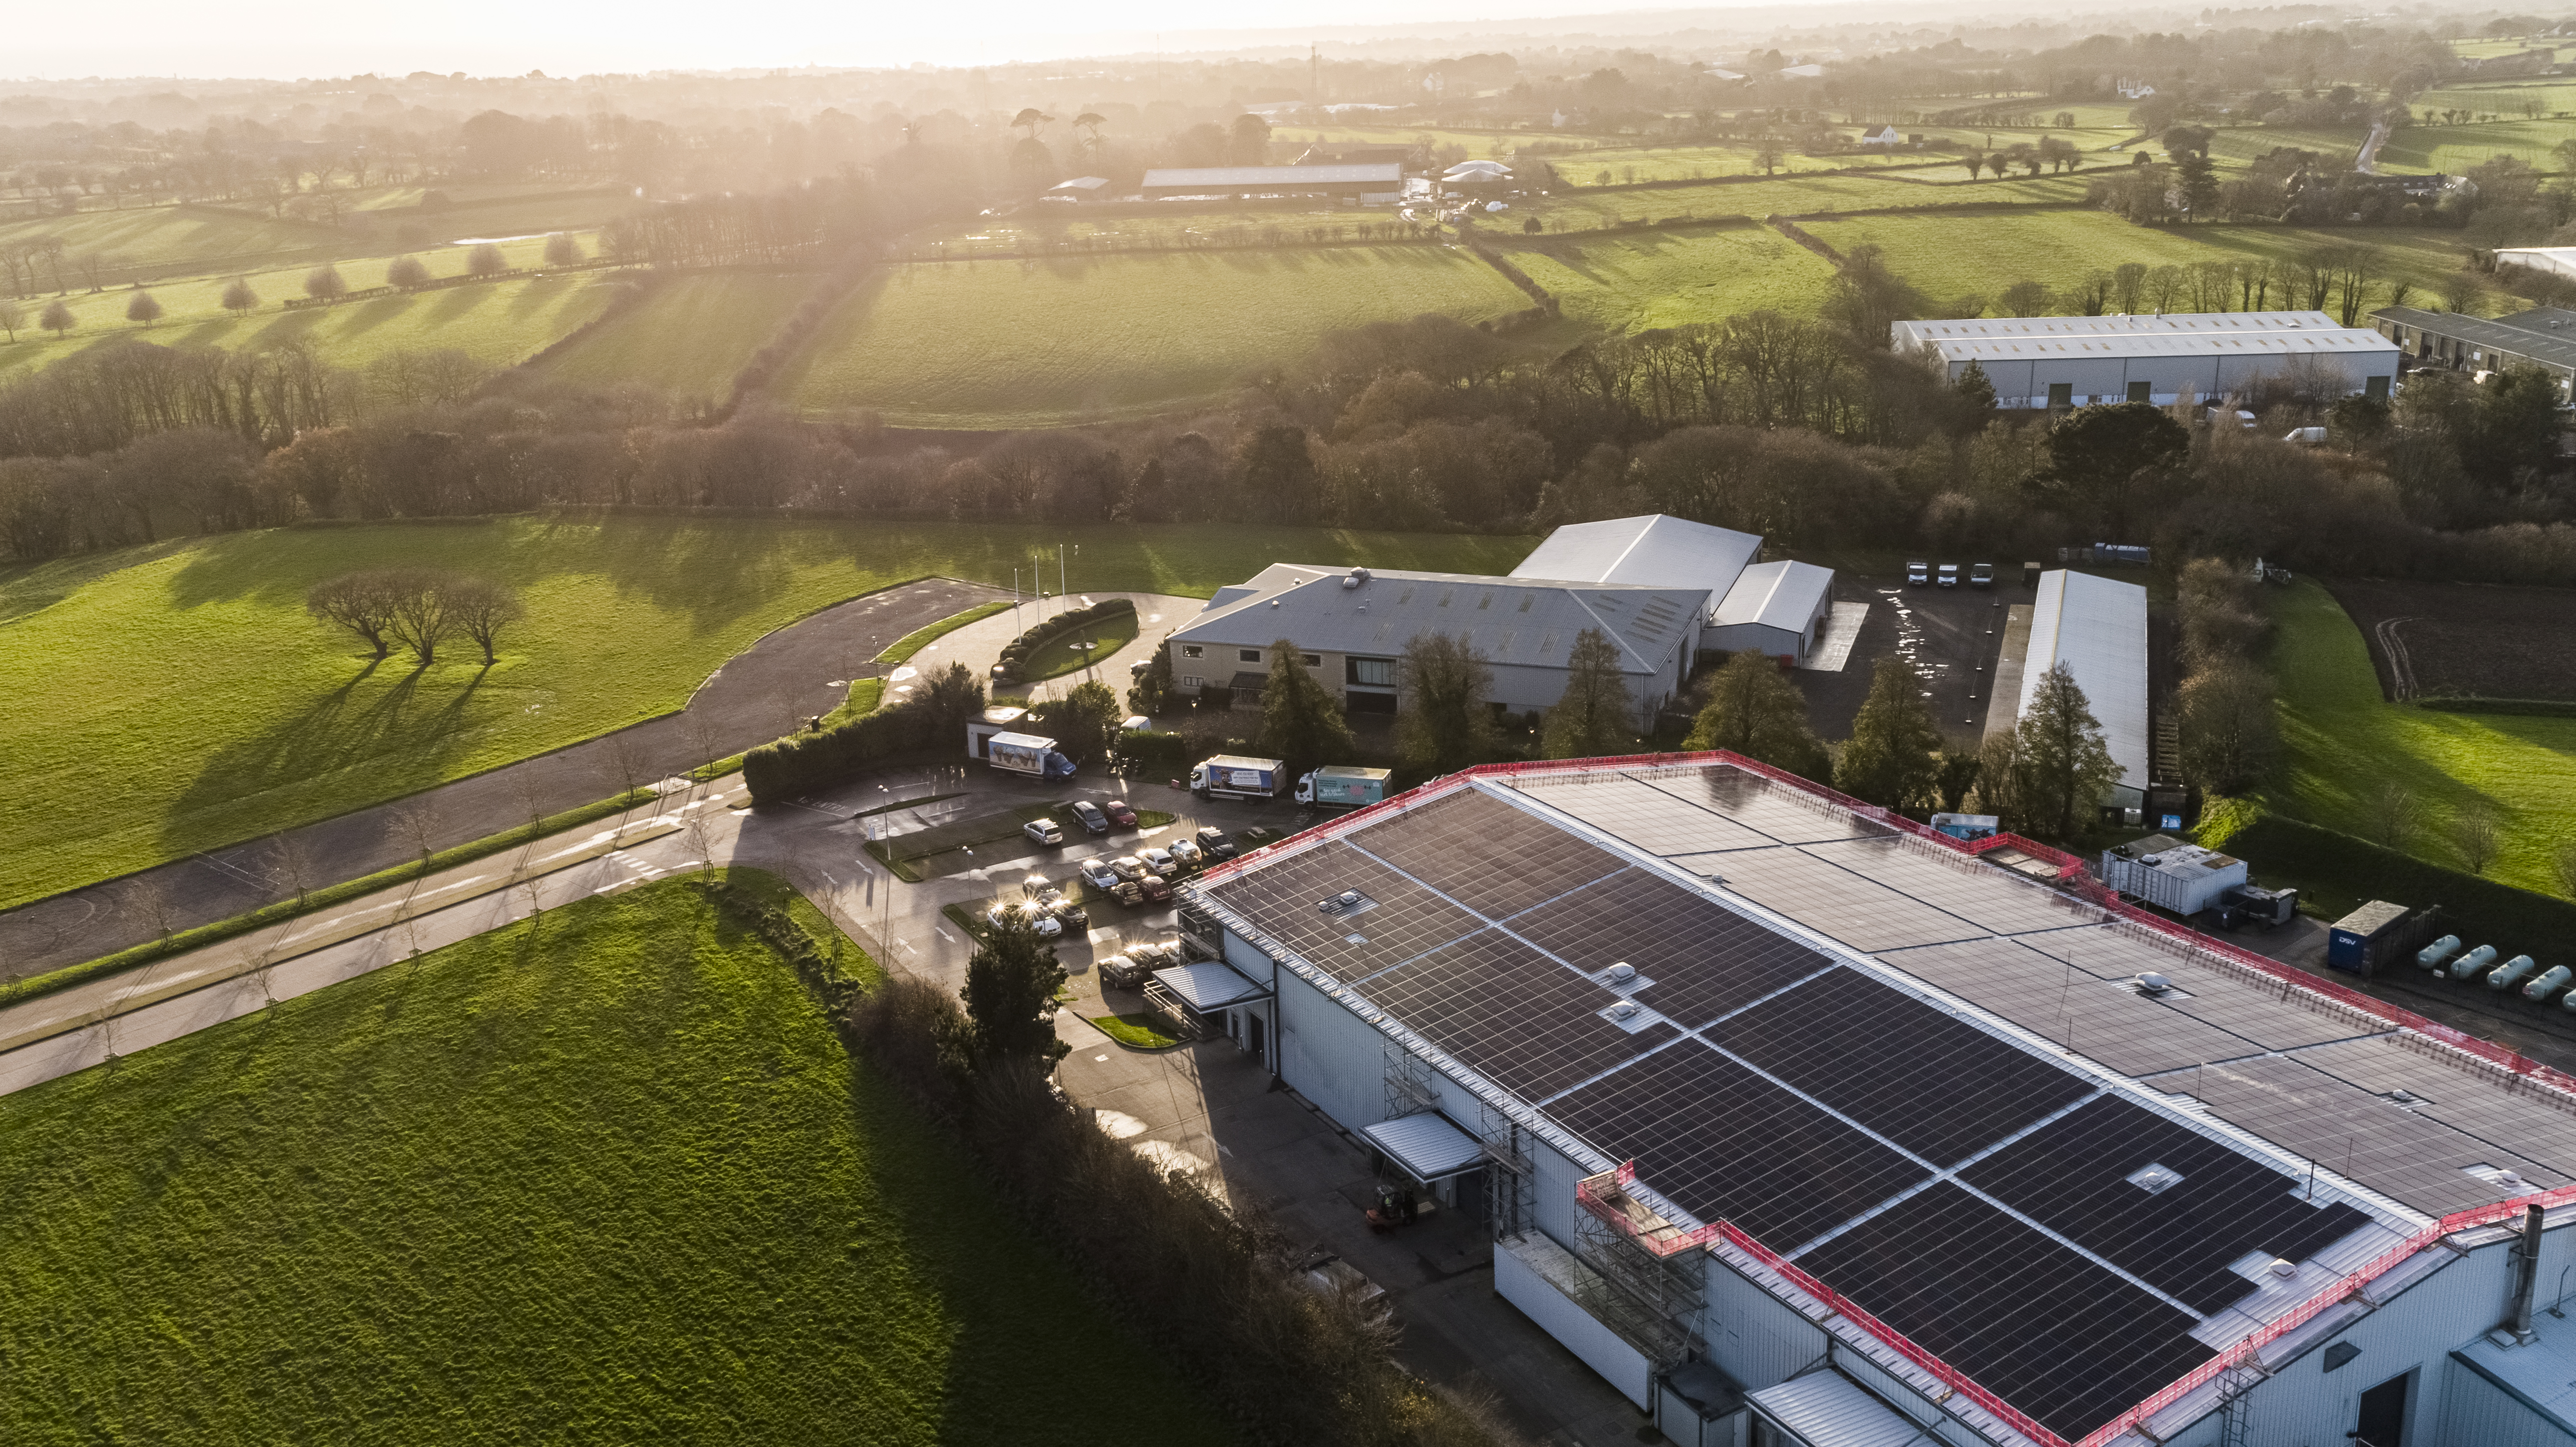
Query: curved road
point(752, 699)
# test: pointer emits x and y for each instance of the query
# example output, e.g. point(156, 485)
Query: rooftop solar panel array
point(1946, 1153)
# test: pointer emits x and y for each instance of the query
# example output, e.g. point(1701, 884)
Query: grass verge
point(1065, 653)
point(1136, 1032)
point(604, 1176)
point(902, 649)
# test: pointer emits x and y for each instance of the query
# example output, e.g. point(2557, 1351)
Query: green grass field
point(192, 239)
point(1013, 344)
point(2499, 98)
point(2344, 741)
point(2236, 146)
point(1956, 256)
point(1944, 185)
point(2454, 149)
point(604, 1178)
point(691, 335)
point(1630, 281)
point(189, 703)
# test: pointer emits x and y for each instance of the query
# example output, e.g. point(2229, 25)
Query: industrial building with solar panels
point(1802, 1126)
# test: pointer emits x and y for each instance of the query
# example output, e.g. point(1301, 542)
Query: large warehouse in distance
point(1803, 1127)
point(2078, 361)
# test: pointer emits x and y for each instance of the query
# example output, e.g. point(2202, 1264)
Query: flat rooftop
point(1930, 1083)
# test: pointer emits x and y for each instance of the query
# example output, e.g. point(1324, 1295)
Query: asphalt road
point(753, 698)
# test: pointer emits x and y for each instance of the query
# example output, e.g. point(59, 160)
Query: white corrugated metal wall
point(2478, 1413)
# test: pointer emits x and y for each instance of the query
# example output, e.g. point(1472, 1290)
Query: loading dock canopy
point(1426, 1147)
point(1207, 985)
point(1828, 1409)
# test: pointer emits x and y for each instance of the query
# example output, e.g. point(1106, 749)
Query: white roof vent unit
point(1625, 1010)
point(2282, 1268)
point(1356, 577)
point(2153, 983)
point(1622, 972)
point(2153, 1178)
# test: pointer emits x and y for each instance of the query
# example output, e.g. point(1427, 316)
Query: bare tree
point(418, 614)
point(481, 608)
point(486, 259)
point(292, 862)
point(706, 746)
point(2474, 832)
point(147, 899)
point(13, 317)
point(405, 271)
point(622, 763)
point(358, 602)
point(2392, 815)
point(416, 820)
point(324, 283)
point(143, 309)
point(702, 839)
point(238, 296)
point(562, 250)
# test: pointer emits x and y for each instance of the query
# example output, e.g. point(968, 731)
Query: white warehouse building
point(2057, 362)
point(1779, 608)
point(2097, 628)
point(1804, 1129)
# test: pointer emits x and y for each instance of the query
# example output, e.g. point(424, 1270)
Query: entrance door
point(2383, 1415)
point(1253, 1023)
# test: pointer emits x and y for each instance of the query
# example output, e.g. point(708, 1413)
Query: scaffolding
point(1410, 1089)
point(1511, 1179)
point(1650, 1277)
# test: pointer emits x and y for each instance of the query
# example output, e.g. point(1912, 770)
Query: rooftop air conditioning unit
point(1357, 576)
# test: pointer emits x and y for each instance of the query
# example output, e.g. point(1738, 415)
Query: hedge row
point(800, 762)
point(1016, 652)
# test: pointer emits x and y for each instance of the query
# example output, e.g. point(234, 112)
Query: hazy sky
point(291, 38)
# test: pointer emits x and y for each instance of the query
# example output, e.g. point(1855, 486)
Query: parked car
point(1128, 867)
point(1119, 814)
point(1097, 874)
point(1155, 889)
point(1918, 575)
point(1069, 911)
point(1949, 575)
point(1185, 854)
point(1124, 971)
point(1217, 843)
point(1160, 862)
point(1046, 924)
point(1093, 820)
point(1043, 831)
point(1982, 575)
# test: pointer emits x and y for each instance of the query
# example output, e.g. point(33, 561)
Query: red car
point(1154, 889)
point(1119, 814)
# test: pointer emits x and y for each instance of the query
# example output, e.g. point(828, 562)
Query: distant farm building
point(1379, 184)
point(1080, 188)
point(1882, 136)
point(2058, 362)
point(2543, 337)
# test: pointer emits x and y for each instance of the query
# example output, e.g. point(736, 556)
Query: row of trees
point(416, 609)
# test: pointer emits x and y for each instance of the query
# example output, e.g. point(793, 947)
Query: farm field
point(192, 704)
point(605, 1176)
point(1809, 195)
point(2499, 97)
point(1014, 344)
point(1630, 281)
point(2453, 149)
point(2234, 147)
point(2465, 640)
point(2343, 740)
point(690, 334)
point(498, 323)
point(1949, 257)
point(1625, 164)
point(1040, 226)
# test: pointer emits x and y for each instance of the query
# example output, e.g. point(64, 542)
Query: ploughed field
point(2466, 640)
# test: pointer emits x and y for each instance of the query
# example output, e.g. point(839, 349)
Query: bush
point(1149, 750)
point(931, 717)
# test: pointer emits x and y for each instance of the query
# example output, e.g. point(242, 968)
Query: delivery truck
point(1229, 776)
point(1028, 755)
point(1343, 786)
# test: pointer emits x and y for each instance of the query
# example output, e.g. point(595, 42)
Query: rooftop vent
point(1349, 897)
point(1622, 972)
point(2152, 983)
point(1274, 602)
point(1357, 577)
point(2152, 1178)
point(1625, 1009)
point(2281, 1268)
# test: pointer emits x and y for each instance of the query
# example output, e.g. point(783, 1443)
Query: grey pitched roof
point(2558, 349)
point(1286, 176)
point(1781, 595)
point(1654, 550)
point(1515, 622)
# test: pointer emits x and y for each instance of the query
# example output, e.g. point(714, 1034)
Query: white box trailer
point(2169, 874)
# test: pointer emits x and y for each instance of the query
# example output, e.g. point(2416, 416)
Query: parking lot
point(1950, 635)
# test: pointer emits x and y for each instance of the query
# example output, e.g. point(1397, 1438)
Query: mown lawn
point(1796, 195)
point(603, 1178)
point(993, 344)
point(1630, 281)
point(2344, 742)
point(177, 698)
point(691, 335)
point(1952, 256)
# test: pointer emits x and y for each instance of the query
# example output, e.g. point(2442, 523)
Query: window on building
point(1311, 660)
point(2060, 395)
point(2141, 391)
point(1370, 672)
point(1248, 655)
point(1191, 650)
point(1192, 681)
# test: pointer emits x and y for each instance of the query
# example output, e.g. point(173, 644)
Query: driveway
point(793, 673)
point(979, 645)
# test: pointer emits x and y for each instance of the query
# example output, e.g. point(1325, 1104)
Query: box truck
point(1228, 776)
point(1027, 754)
point(1343, 786)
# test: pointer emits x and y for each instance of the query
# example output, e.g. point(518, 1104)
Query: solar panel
point(2071, 1343)
point(2179, 1231)
point(2539, 1124)
point(1930, 1082)
point(1641, 814)
point(1513, 1015)
point(1487, 855)
point(1757, 803)
point(1407, 919)
point(1835, 901)
point(2069, 1005)
point(1721, 1142)
point(1703, 958)
point(1979, 893)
